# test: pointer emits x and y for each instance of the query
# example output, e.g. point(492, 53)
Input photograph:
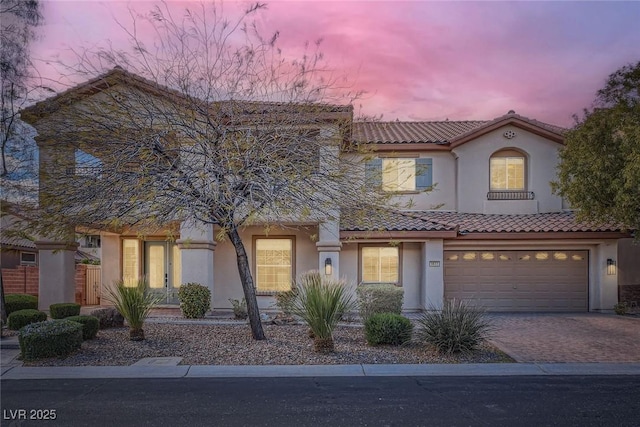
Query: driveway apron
point(582, 337)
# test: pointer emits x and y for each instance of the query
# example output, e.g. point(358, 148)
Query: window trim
point(379, 245)
point(512, 153)
point(254, 259)
point(29, 263)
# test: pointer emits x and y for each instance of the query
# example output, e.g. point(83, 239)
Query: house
point(483, 225)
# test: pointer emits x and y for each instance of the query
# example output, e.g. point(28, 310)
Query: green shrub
point(457, 328)
point(284, 300)
point(63, 310)
point(387, 328)
point(239, 308)
point(90, 325)
point(21, 318)
point(195, 300)
point(379, 298)
point(108, 317)
point(620, 308)
point(321, 303)
point(50, 339)
point(15, 302)
point(135, 304)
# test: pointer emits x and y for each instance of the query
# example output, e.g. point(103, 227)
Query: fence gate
point(92, 289)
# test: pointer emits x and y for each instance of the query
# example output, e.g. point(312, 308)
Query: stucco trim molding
point(184, 244)
point(329, 246)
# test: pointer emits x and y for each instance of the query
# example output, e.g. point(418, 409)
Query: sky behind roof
point(420, 60)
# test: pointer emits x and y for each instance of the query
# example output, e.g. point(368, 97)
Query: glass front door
point(162, 270)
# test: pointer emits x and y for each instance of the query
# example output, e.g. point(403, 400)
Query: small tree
point(599, 170)
point(211, 124)
point(18, 18)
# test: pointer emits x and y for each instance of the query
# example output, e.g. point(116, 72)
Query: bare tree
point(17, 21)
point(209, 122)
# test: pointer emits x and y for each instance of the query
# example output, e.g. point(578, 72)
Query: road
point(328, 401)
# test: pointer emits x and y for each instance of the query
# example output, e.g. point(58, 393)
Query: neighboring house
point(489, 231)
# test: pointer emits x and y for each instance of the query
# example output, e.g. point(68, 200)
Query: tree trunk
point(247, 285)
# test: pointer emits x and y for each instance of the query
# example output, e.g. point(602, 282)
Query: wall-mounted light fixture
point(328, 268)
point(611, 267)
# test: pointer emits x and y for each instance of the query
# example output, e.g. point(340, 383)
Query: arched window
point(508, 171)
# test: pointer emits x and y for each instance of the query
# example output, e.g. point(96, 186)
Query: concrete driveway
point(583, 337)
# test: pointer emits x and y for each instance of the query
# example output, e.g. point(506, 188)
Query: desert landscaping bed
point(233, 345)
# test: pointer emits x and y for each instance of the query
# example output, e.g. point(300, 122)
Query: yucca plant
point(321, 303)
point(134, 303)
point(457, 328)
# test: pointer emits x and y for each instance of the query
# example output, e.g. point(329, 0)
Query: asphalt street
point(332, 401)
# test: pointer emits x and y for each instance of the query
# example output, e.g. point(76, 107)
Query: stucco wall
point(225, 268)
point(473, 168)
point(411, 264)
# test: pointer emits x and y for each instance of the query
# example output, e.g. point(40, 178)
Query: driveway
point(583, 337)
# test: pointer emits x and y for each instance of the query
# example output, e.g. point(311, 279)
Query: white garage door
point(540, 280)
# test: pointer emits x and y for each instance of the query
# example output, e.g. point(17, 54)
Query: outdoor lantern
point(611, 267)
point(328, 269)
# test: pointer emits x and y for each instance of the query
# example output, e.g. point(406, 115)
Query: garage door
point(540, 280)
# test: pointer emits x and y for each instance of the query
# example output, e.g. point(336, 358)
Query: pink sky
point(421, 60)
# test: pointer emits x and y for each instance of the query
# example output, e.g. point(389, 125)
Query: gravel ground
point(231, 344)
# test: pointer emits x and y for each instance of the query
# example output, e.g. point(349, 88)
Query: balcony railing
point(510, 195)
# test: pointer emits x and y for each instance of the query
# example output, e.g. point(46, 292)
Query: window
point(92, 241)
point(27, 258)
point(400, 174)
point(380, 264)
point(273, 264)
point(130, 261)
point(507, 170)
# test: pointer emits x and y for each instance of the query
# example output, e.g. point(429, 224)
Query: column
point(433, 273)
point(197, 246)
point(329, 249)
point(57, 269)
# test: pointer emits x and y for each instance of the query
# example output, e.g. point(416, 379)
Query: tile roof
point(480, 223)
point(411, 132)
point(533, 223)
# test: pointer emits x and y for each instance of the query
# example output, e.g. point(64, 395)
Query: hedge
point(50, 339)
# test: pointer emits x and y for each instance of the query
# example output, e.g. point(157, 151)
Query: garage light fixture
point(328, 268)
point(611, 267)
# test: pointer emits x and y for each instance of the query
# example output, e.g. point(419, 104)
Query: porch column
point(197, 246)
point(57, 269)
point(57, 249)
point(329, 250)
point(433, 273)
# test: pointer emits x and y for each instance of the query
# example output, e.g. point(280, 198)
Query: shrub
point(108, 317)
point(239, 308)
point(620, 308)
point(195, 300)
point(90, 325)
point(50, 339)
point(134, 303)
point(284, 300)
point(387, 328)
point(21, 318)
point(457, 328)
point(63, 310)
point(321, 303)
point(380, 298)
point(15, 302)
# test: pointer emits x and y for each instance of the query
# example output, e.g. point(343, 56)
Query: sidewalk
point(162, 368)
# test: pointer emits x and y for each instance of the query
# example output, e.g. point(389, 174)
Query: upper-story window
point(396, 174)
point(507, 171)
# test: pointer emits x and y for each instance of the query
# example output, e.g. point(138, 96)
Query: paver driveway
point(583, 337)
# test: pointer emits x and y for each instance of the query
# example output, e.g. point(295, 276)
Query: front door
point(162, 270)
